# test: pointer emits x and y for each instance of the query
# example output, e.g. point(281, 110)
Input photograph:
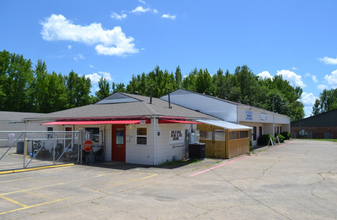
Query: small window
point(92, 134)
point(50, 135)
point(142, 136)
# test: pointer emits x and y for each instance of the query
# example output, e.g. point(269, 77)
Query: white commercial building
point(262, 121)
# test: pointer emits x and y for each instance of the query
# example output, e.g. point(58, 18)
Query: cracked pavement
point(295, 181)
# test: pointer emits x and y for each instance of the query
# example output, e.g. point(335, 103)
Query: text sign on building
point(11, 137)
point(263, 117)
point(87, 146)
point(249, 115)
point(142, 122)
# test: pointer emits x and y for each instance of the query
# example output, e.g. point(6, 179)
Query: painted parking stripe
point(232, 161)
point(13, 201)
point(212, 168)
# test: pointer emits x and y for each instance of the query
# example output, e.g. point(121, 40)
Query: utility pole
point(273, 104)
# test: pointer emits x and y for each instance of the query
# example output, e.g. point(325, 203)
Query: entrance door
point(118, 143)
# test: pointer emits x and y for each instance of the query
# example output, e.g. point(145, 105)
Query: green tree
point(104, 89)
point(16, 76)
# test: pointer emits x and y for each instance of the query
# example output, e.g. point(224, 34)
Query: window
point(92, 134)
point(142, 136)
point(243, 134)
point(233, 135)
point(50, 136)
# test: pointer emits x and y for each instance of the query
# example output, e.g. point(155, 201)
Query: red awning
point(164, 121)
point(97, 122)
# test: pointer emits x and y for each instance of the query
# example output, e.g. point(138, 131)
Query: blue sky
point(116, 39)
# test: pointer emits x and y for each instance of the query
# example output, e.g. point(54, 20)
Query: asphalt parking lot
point(297, 180)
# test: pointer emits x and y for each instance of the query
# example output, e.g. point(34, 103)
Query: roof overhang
point(98, 122)
point(225, 124)
point(164, 121)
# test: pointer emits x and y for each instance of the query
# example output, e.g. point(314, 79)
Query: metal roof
point(184, 91)
point(225, 124)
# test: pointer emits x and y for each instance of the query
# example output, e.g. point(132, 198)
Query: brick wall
point(318, 132)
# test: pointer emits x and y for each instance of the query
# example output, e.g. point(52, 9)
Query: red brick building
point(320, 126)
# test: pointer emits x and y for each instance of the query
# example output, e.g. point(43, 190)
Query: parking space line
point(149, 176)
point(40, 187)
point(35, 194)
point(16, 180)
point(57, 200)
point(41, 204)
point(13, 201)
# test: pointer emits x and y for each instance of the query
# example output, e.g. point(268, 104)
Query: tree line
point(327, 101)
point(28, 88)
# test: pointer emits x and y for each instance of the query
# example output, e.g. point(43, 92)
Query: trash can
point(20, 147)
point(197, 150)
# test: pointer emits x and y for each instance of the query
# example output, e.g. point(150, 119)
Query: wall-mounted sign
point(11, 137)
point(177, 137)
point(249, 115)
point(263, 117)
point(142, 122)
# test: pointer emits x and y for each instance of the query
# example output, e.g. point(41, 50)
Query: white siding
point(140, 154)
point(165, 150)
point(256, 115)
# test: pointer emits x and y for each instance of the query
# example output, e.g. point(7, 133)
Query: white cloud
point(140, 9)
point(293, 78)
point(332, 79)
point(294, 68)
point(109, 42)
point(307, 74)
point(172, 17)
point(117, 16)
point(143, 49)
point(141, 1)
point(314, 78)
point(328, 60)
point(308, 99)
point(307, 111)
point(91, 66)
point(96, 76)
point(322, 87)
point(155, 11)
point(106, 75)
point(79, 57)
point(264, 75)
point(69, 47)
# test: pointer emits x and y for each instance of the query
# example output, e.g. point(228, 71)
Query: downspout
point(154, 141)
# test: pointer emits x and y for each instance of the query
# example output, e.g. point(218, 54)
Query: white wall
point(256, 115)
point(281, 119)
point(144, 154)
point(139, 154)
point(268, 129)
point(166, 150)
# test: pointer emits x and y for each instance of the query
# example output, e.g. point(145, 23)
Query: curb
point(35, 168)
